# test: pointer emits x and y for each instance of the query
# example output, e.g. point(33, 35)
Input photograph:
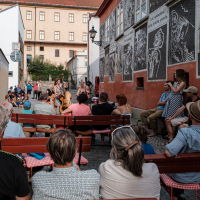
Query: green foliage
point(41, 70)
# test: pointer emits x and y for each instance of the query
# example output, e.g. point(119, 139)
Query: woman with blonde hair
point(82, 89)
point(126, 175)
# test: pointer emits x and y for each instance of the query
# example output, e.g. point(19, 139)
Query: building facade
point(12, 30)
point(144, 42)
point(4, 67)
point(53, 31)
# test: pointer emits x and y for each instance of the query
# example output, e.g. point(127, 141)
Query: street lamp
point(92, 36)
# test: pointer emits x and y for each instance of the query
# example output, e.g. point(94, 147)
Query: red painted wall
point(147, 98)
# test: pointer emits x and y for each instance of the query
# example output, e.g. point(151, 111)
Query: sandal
point(152, 134)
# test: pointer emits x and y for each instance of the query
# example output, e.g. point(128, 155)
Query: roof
point(95, 4)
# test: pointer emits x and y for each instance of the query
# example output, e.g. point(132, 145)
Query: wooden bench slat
point(36, 116)
point(100, 117)
point(117, 122)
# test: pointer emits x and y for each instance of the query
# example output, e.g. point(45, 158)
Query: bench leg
point(171, 193)
point(31, 172)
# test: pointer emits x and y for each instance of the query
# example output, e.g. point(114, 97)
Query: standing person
point(88, 83)
point(29, 89)
point(81, 90)
point(89, 101)
point(39, 89)
point(35, 92)
point(155, 113)
point(67, 86)
point(175, 100)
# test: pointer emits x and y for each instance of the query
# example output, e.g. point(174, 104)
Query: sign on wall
point(140, 48)
point(128, 55)
point(155, 4)
point(129, 12)
point(182, 32)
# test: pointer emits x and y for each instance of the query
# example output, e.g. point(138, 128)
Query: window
point(120, 19)
point(71, 53)
point(107, 32)
point(57, 17)
point(41, 35)
point(141, 9)
point(41, 16)
point(71, 18)
point(42, 57)
point(57, 53)
point(71, 36)
point(10, 73)
point(57, 35)
point(28, 48)
point(84, 18)
point(28, 59)
point(41, 48)
point(28, 15)
point(86, 62)
point(28, 34)
point(140, 82)
point(85, 37)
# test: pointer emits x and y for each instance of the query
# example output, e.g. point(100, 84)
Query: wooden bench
point(38, 145)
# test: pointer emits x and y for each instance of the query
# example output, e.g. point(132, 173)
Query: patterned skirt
point(174, 102)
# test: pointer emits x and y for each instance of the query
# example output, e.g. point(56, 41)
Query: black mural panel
point(113, 26)
point(102, 35)
point(140, 48)
point(119, 58)
point(107, 62)
point(155, 4)
point(157, 54)
point(129, 8)
point(182, 32)
point(101, 69)
point(111, 70)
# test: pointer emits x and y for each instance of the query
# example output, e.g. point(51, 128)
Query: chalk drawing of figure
point(129, 14)
point(155, 54)
point(112, 68)
point(119, 59)
point(179, 29)
point(128, 60)
point(101, 69)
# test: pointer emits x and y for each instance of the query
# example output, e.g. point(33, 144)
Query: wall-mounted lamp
point(92, 36)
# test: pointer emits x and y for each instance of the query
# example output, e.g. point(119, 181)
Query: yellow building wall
point(3, 83)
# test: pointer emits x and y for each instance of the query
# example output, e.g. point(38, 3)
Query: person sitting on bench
point(173, 122)
point(13, 181)
point(103, 108)
point(66, 181)
point(186, 141)
point(125, 175)
point(155, 113)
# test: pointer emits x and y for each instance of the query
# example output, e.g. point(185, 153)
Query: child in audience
point(142, 133)
point(7, 98)
point(27, 106)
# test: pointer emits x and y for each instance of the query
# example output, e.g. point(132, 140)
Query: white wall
point(11, 24)
point(94, 50)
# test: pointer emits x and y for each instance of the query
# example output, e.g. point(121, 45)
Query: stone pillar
point(50, 78)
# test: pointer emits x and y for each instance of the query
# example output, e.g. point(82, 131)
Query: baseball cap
point(194, 110)
point(191, 89)
point(27, 104)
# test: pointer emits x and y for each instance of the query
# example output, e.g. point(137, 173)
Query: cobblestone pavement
point(99, 154)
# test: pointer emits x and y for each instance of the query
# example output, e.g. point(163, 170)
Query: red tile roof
point(61, 3)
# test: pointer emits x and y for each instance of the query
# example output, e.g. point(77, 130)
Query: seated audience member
point(50, 90)
point(7, 99)
point(126, 175)
point(123, 107)
point(66, 181)
point(173, 122)
point(142, 133)
point(80, 109)
point(155, 113)
point(20, 101)
point(27, 107)
point(13, 130)
point(103, 108)
point(44, 109)
point(13, 177)
point(13, 102)
point(22, 93)
point(186, 141)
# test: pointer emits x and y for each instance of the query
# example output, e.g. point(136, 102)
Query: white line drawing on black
point(107, 62)
point(119, 58)
point(179, 29)
point(101, 69)
point(184, 8)
point(112, 68)
point(128, 63)
point(129, 7)
point(155, 54)
point(155, 4)
point(112, 26)
point(140, 48)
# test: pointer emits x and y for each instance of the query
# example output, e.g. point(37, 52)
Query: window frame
point(43, 48)
point(57, 34)
point(55, 16)
point(30, 34)
point(27, 14)
point(39, 35)
point(69, 36)
point(86, 37)
point(140, 8)
point(70, 17)
point(44, 15)
point(86, 18)
point(30, 49)
point(107, 30)
point(26, 58)
point(9, 73)
point(121, 22)
point(58, 53)
point(71, 51)
point(42, 58)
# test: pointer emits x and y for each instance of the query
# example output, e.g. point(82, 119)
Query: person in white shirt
point(126, 175)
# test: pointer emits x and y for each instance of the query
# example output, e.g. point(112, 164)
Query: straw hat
point(194, 110)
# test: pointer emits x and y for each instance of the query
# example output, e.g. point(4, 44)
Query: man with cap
point(173, 122)
point(27, 106)
point(186, 141)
